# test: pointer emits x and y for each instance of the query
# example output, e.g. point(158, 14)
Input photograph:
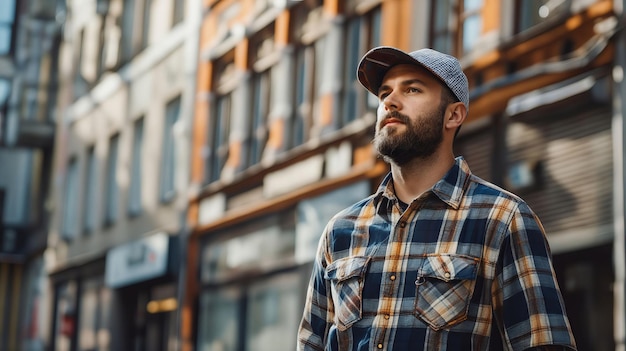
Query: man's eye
point(413, 90)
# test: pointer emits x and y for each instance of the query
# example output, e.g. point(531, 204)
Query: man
point(437, 258)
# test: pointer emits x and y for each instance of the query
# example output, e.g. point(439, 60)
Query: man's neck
point(414, 178)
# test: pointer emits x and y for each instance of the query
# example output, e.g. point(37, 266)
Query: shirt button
point(380, 346)
point(402, 224)
point(447, 275)
point(386, 316)
point(392, 277)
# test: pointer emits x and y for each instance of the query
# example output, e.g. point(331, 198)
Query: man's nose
point(391, 102)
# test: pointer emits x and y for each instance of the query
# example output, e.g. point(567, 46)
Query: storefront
point(126, 300)
point(142, 275)
point(254, 275)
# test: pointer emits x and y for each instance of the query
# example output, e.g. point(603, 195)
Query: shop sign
point(137, 261)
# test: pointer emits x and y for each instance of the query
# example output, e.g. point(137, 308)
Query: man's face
point(410, 115)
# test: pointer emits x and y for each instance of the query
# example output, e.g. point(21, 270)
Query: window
point(89, 193)
point(301, 120)
point(178, 12)
point(5, 91)
point(111, 190)
point(255, 312)
point(306, 80)
point(272, 316)
point(221, 131)
point(65, 318)
point(7, 17)
point(268, 241)
point(219, 320)
point(362, 33)
point(530, 13)
point(263, 59)
point(145, 24)
point(168, 163)
point(441, 31)
point(70, 201)
point(471, 20)
point(95, 303)
point(261, 109)
point(110, 35)
point(219, 124)
point(134, 195)
point(587, 283)
point(135, 27)
point(80, 85)
point(468, 27)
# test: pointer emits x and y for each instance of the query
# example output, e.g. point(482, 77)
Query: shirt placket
point(390, 300)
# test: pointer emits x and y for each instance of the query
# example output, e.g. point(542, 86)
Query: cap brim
point(375, 64)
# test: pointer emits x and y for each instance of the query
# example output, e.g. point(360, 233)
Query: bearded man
point(436, 258)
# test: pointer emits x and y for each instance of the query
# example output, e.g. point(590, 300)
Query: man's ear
point(455, 115)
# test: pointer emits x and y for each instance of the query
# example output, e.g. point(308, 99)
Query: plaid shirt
point(465, 267)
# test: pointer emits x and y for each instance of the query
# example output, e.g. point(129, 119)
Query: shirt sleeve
point(528, 305)
point(318, 309)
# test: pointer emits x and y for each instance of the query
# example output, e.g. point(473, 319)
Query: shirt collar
point(449, 189)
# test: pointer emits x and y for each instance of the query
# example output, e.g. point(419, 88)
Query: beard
point(420, 139)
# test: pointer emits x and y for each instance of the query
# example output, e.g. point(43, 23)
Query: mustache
point(394, 115)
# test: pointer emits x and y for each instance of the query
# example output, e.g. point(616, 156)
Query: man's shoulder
point(481, 187)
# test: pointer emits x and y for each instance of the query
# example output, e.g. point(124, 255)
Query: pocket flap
point(449, 267)
point(347, 267)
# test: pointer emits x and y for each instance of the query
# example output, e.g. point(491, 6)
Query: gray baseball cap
point(376, 62)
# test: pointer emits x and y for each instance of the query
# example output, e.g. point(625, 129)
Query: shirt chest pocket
point(346, 277)
point(445, 284)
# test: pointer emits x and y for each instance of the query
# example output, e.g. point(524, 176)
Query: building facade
point(119, 185)
point(29, 42)
point(282, 140)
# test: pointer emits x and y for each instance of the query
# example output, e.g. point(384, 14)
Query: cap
point(376, 62)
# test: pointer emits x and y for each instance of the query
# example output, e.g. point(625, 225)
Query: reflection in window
point(219, 320)
point(272, 314)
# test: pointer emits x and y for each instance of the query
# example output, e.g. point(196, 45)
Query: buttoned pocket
point(445, 284)
point(346, 277)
